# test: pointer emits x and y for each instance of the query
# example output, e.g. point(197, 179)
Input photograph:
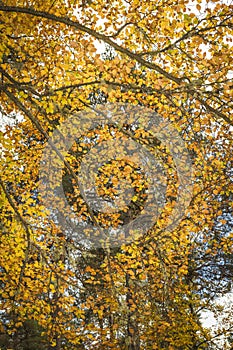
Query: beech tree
point(84, 59)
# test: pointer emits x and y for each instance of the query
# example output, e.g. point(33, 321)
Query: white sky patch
point(217, 321)
point(100, 46)
point(12, 119)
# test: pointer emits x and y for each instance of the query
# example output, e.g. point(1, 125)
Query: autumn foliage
point(64, 58)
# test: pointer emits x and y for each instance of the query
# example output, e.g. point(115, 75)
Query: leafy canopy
point(174, 58)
